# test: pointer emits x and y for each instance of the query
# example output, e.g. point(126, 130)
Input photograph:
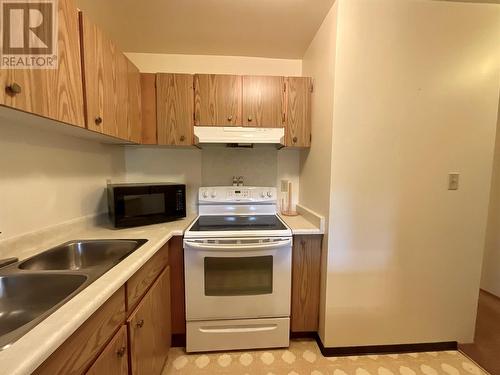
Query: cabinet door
point(298, 112)
point(174, 106)
point(217, 100)
point(134, 103)
point(306, 273)
point(113, 360)
point(105, 72)
point(53, 93)
point(263, 101)
point(150, 330)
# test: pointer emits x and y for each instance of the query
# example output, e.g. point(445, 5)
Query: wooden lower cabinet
point(306, 274)
point(149, 329)
point(113, 359)
point(76, 354)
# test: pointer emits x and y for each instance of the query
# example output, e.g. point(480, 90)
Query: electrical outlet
point(453, 180)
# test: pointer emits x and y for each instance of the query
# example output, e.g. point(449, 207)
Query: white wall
point(215, 165)
point(315, 163)
point(47, 178)
point(415, 97)
point(491, 264)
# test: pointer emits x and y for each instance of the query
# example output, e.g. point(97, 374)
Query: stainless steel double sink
point(34, 288)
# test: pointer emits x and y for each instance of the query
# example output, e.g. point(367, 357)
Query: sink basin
point(78, 255)
point(26, 298)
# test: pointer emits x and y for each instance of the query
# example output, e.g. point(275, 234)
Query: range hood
point(239, 135)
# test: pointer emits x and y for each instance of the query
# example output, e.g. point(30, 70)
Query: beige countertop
point(27, 353)
point(306, 222)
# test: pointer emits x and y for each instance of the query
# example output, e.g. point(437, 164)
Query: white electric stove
point(237, 259)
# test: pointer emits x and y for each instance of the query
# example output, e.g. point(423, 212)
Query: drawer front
point(140, 282)
point(237, 334)
point(76, 354)
point(114, 359)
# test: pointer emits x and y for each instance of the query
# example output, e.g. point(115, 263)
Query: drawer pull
point(13, 89)
point(121, 352)
point(98, 120)
point(140, 323)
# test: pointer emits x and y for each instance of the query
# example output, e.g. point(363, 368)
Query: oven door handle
point(239, 246)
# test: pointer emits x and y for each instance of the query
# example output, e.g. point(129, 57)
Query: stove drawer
point(203, 336)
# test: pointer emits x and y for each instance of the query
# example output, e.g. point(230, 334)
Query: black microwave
point(133, 205)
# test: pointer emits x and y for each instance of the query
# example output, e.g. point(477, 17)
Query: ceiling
point(266, 28)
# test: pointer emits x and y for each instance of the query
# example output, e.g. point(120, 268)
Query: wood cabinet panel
point(263, 101)
point(149, 329)
point(306, 271)
point(53, 93)
point(121, 97)
point(76, 354)
point(174, 106)
point(298, 112)
point(176, 262)
point(134, 103)
point(140, 282)
point(217, 100)
point(105, 72)
point(114, 358)
point(148, 109)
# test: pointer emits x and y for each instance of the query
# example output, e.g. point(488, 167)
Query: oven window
point(141, 205)
point(239, 276)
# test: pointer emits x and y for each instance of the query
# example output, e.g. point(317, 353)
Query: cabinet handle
point(182, 138)
point(13, 89)
point(98, 120)
point(140, 323)
point(229, 118)
point(121, 352)
point(294, 139)
point(250, 119)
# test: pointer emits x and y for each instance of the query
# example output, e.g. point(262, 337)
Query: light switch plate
point(453, 181)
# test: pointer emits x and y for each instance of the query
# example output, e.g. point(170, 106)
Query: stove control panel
point(229, 194)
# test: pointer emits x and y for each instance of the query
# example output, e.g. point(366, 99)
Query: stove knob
point(263, 194)
point(205, 194)
point(269, 194)
point(214, 194)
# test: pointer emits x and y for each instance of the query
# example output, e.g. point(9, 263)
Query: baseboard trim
point(178, 340)
point(304, 335)
point(385, 349)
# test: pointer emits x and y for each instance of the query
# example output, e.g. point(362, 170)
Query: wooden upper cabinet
point(263, 101)
point(134, 103)
point(174, 107)
point(217, 100)
point(298, 112)
point(113, 359)
point(105, 74)
point(149, 328)
point(53, 93)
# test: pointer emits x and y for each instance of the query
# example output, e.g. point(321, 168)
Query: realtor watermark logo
point(28, 34)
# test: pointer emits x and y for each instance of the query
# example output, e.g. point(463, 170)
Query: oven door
point(238, 278)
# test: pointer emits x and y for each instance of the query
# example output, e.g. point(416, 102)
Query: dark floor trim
point(385, 349)
point(179, 340)
point(304, 335)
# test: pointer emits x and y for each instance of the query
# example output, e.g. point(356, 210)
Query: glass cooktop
point(237, 222)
